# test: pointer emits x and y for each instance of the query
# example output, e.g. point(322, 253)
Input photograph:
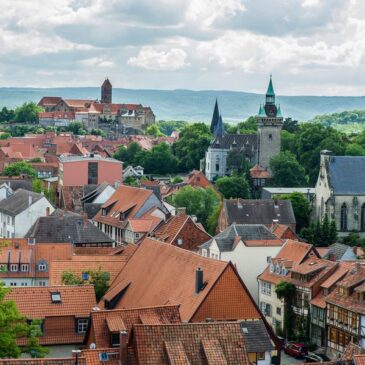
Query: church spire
point(270, 94)
point(215, 118)
point(219, 129)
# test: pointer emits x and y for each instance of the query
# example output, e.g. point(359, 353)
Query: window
point(278, 311)
point(92, 173)
point(261, 356)
point(270, 136)
point(85, 276)
point(56, 297)
point(82, 324)
point(42, 283)
point(265, 309)
point(115, 339)
point(265, 288)
point(25, 267)
point(13, 284)
point(272, 268)
point(344, 217)
point(42, 266)
point(14, 267)
point(3, 268)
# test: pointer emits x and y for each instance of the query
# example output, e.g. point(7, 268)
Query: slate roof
point(18, 202)
point(16, 184)
point(67, 227)
point(251, 211)
point(337, 251)
point(341, 172)
point(247, 232)
point(247, 142)
point(257, 339)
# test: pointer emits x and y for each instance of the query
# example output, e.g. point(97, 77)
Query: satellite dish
point(93, 346)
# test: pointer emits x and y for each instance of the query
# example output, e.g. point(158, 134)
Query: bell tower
point(106, 92)
point(270, 122)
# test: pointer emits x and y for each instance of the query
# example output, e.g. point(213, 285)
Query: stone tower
point(106, 92)
point(269, 122)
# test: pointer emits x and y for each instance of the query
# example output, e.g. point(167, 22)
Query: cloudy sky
point(310, 46)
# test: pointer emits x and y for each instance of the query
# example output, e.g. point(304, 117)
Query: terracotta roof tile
point(257, 172)
point(105, 321)
point(92, 357)
point(81, 264)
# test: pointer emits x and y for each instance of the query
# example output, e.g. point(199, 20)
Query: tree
point(154, 131)
point(98, 132)
point(132, 155)
point(233, 187)
point(18, 168)
point(354, 149)
point(76, 128)
point(290, 125)
point(301, 208)
point(286, 171)
point(168, 126)
point(6, 115)
point(286, 291)
point(13, 326)
point(98, 278)
point(4, 135)
point(320, 233)
point(236, 162)
point(192, 145)
point(131, 181)
point(160, 160)
point(176, 180)
point(27, 113)
point(249, 126)
point(199, 202)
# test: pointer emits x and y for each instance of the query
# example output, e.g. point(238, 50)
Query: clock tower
point(270, 122)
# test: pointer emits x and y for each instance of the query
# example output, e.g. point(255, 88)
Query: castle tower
point(106, 92)
point(269, 121)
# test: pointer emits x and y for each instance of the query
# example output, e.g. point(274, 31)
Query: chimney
point(30, 200)
point(199, 281)
point(123, 347)
point(181, 211)
point(48, 211)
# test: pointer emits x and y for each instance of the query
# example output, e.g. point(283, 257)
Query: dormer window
point(277, 269)
point(272, 268)
point(122, 216)
point(55, 297)
point(103, 212)
point(14, 267)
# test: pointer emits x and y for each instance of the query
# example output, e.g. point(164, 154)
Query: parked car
point(311, 357)
point(296, 349)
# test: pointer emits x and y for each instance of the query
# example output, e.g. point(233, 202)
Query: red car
point(296, 349)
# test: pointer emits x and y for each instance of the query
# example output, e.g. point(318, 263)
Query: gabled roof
point(84, 263)
point(106, 321)
point(258, 172)
point(34, 302)
point(341, 172)
point(257, 339)
point(159, 273)
point(19, 201)
point(247, 233)
point(339, 251)
point(49, 100)
point(125, 198)
point(251, 211)
point(216, 343)
point(66, 227)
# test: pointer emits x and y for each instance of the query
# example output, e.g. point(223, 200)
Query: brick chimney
point(123, 348)
point(48, 211)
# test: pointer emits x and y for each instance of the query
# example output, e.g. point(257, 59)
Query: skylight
point(56, 297)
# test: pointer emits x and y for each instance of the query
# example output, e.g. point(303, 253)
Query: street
point(289, 360)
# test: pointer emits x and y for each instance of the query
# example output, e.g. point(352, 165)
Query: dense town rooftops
point(19, 201)
point(105, 322)
point(158, 273)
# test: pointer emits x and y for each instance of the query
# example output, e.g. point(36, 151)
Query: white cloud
point(97, 61)
point(151, 58)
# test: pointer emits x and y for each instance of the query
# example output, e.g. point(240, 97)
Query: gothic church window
point(344, 217)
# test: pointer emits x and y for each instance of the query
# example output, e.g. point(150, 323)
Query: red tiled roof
point(49, 100)
point(123, 199)
point(105, 321)
point(216, 343)
point(57, 115)
point(92, 357)
point(159, 273)
point(359, 359)
point(257, 172)
point(34, 302)
point(81, 264)
point(198, 179)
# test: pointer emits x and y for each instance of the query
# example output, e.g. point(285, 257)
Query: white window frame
point(265, 288)
point(25, 267)
point(13, 267)
point(42, 267)
point(82, 324)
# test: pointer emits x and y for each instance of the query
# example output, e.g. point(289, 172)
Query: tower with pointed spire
point(215, 117)
point(270, 122)
point(106, 92)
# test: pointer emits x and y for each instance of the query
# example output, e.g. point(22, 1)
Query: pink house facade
point(92, 169)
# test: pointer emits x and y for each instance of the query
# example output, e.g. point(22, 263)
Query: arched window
point(344, 217)
point(217, 163)
point(362, 227)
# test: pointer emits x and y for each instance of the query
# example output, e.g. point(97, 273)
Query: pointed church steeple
point(219, 130)
point(215, 117)
point(279, 114)
point(261, 112)
point(270, 94)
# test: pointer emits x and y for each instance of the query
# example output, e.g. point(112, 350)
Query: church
point(257, 148)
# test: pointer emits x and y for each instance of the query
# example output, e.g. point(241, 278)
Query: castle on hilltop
point(258, 148)
point(95, 113)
